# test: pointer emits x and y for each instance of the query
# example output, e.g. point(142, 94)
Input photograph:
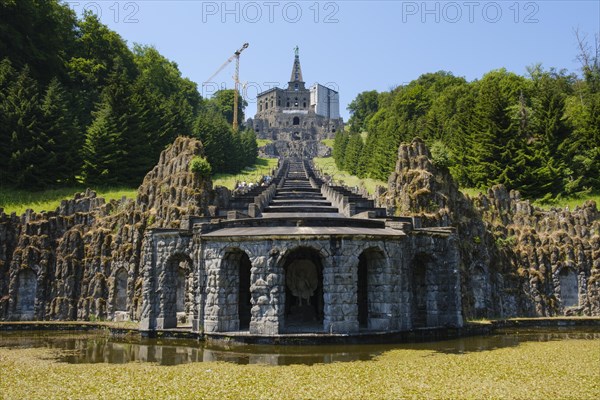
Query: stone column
point(211, 305)
point(149, 306)
point(380, 285)
point(400, 269)
point(266, 288)
point(340, 290)
point(198, 286)
point(450, 288)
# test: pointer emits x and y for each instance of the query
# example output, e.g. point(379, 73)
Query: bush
point(200, 166)
point(440, 155)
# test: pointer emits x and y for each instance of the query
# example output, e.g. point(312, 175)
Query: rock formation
point(76, 251)
point(516, 259)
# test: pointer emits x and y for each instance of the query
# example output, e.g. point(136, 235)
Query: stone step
point(297, 189)
point(311, 210)
point(300, 202)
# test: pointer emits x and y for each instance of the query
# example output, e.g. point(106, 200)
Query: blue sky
point(352, 45)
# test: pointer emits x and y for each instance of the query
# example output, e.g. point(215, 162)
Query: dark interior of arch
point(178, 273)
point(303, 291)
point(419, 266)
point(121, 290)
point(244, 304)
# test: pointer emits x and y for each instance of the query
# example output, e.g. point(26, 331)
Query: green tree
point(582, 147)
point(353, 154)
point(102, 150)
point(495, 142)
point(215, 134)
point(362, 109)
point(249, 146)
point(339, 148)
point(37, 33)
point(7, 76)
point(60, 129)
point(99, 53)
point(27, 143)
point(222, 102)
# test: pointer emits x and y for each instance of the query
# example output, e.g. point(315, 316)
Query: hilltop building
point(296, 119)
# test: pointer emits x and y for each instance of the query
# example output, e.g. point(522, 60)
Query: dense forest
point(538, 133)
point(78, 105)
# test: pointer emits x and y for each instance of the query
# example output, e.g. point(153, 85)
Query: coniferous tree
point(353, 153)
point(59, 127)
point(249, 147)
point(27, 143)
point(215, 133)
point(339, 148)
point(102, 150)
point(7, 75)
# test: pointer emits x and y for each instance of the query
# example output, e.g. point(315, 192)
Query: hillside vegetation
point(78, 105)
point(538, 133)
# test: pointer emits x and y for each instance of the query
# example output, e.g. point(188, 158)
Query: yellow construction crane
point(236, 79)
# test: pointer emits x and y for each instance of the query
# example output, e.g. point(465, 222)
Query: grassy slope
point(263, 142)
point(327, 165)
point(262, 167)
point(571, 202)
point(531, 370)
point(328, 142)
point(18, 201)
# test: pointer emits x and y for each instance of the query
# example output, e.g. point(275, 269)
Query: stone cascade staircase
point(240, 201)
point(296, 195)
point(348, 202)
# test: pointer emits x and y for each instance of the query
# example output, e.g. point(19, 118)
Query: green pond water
point(99, 347)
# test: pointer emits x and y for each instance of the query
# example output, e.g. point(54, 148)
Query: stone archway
point(121, 290)
point(479, 288)
point(420, 290)
point(26, 294)
point(176, 295)
point(303, 269)
point(371, 315)
point(569, 287)
point(235, 288)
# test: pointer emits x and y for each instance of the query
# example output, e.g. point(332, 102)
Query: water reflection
point(98, 347)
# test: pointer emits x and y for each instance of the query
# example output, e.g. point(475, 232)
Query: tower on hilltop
point(297, 119)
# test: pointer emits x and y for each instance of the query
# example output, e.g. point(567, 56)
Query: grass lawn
point(262, 167)
point(263, 142)
point(571, 202)
point(327, 165)
point(13, 200)
point(565, 369)
point(328, 142)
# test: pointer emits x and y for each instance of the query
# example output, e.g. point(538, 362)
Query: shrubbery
point(200, 166)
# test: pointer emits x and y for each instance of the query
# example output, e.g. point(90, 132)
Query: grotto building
point(301, 256)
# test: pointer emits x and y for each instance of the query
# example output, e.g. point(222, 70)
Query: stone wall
point(515, 257)
point(76, 251)
point(390, 266)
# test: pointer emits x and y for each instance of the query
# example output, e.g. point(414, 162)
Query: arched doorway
point(26, 294)
point(121, 290)
point(176, 296)
point(420, 289)
point(479, 284)
point(569, 288)
point(371, 263)
point(237, 263)
point(303, 291)
point(296, 121)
